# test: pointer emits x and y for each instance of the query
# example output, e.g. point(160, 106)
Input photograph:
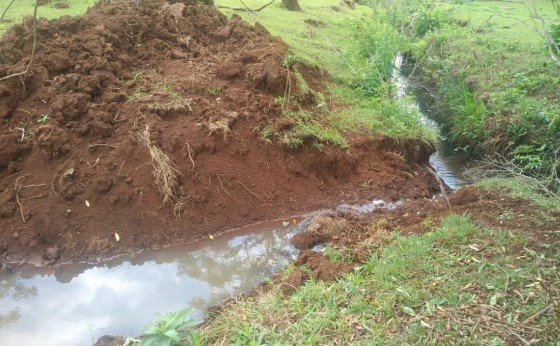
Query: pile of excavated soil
point(74, 172)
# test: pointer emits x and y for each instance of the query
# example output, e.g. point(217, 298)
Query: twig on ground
point(17, 189)
point(101, 145)
point(340, 55)
point(251, 192)
point(189, 152)
point(33, 197)
point(538, 314)
point(222, 185)
point(161, 230)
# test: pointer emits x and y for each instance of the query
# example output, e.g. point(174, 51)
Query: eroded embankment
point(357, 232)
point(73, 171)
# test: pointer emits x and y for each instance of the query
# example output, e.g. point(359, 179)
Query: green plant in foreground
point(173, 329)
point(214, 91)
point(43, 119)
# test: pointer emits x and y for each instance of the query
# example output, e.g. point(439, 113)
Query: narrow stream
point(77, 304)
point(447, 164)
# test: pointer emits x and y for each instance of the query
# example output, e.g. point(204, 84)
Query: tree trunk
point(292, 5)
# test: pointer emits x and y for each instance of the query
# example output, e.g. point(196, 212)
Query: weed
point(336, 254)
point(173, 329)
point(214, 91)
point(43, 119)
point(267, 134)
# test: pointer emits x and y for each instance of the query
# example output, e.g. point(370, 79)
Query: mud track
point(73, 171)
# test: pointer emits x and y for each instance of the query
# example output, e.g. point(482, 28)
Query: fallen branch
point(246, 8)
point(24, 72)
point(538, 314)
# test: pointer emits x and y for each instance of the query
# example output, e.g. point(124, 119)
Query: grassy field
point(22, 8)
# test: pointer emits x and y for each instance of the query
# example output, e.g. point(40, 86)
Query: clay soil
point(73, 172)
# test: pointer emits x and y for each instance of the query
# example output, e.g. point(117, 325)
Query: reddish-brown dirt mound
point(73, 171)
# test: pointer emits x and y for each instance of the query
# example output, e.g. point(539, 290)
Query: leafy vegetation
point(496, 86)
point(173, 329)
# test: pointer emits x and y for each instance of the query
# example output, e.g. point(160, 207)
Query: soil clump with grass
point(138, 127)
point(359, 233)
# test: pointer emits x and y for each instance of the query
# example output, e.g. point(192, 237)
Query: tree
point(551, 35)
point(292, 5)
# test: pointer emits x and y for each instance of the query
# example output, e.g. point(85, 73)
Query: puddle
point(77, 304)
point(447, 164)
point(368, 207)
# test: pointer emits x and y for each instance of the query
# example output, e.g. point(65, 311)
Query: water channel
point(445, 161)
point(76, 304)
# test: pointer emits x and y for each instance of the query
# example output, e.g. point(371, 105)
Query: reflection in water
point(80, 303)
point(448, 165)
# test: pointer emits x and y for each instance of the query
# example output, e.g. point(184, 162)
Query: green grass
point(22, 8)
point(357, 53)
point(437, 288)
point(523, 190)
point(496, 87)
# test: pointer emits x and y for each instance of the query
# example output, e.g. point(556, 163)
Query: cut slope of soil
point(73, 172)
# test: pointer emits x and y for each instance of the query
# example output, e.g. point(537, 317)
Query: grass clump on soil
point(457, 284)
point(155, 93)
point(165, 173)
point(528, 190)
point(357, 51)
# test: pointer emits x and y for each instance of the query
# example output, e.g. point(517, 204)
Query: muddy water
point(447, 164)
point(77, 304)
